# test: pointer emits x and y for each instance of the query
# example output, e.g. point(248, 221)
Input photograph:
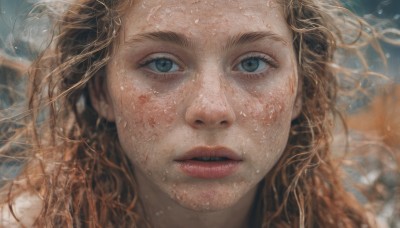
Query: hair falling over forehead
point(84, 179)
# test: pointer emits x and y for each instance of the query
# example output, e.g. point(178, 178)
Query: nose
point(209, 107)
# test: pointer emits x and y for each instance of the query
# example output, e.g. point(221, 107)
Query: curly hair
point(74, 162)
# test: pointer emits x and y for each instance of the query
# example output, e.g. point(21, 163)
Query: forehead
point(206, 17)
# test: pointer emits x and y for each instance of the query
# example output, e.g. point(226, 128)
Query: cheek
point(276, 104)
point(268, 108)
point(152, 112)
point(273, 109)
point(143, 117)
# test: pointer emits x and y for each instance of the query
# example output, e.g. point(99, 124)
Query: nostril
point(224, 122)
point(199, 122)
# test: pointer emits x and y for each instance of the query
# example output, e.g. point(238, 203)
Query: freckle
point(152, 121)
point(143, 99)
point(273, 111)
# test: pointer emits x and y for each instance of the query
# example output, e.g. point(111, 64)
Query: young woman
point(186, 113)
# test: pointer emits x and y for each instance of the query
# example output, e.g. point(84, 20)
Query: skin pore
point(187, 74)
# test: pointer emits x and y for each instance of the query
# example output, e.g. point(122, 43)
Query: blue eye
point(252, 64)
point(162, 65)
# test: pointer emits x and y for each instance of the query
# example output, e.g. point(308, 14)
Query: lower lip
point(209, 170)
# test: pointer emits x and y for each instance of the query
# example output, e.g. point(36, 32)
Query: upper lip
point(210, 151)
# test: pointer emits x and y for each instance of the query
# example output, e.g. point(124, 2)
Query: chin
point(212, 205)
point(209, 198)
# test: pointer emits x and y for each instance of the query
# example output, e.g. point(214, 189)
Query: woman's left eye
point(254, 64)
point(161, 65)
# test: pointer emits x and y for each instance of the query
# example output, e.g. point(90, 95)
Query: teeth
point(210, 159)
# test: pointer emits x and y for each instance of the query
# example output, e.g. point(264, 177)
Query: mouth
point(210, 159)
point(209, 162)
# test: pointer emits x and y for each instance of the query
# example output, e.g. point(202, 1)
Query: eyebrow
point(182, 40)
point(251, 37)
point(170, 37)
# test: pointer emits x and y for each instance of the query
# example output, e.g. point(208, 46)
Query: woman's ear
point(298, 103)
point(99, 96)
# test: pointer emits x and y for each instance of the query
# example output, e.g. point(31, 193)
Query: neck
point(161, 211)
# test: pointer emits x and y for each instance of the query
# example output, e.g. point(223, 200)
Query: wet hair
point(73, 161)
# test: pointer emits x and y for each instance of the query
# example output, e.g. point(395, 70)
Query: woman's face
point(203, 94)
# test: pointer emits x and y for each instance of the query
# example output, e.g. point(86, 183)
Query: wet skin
point(188, 74)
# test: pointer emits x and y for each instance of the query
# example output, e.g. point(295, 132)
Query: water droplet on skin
point(257, 171)
point(122, 88)
point(196, 21)
point(125, 123)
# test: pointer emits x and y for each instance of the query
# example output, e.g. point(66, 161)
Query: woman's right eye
point(161, 65)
